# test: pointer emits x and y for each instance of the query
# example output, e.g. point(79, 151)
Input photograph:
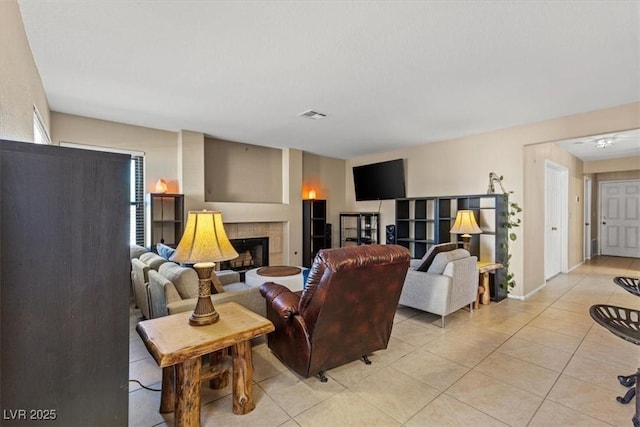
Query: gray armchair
point(449, 283)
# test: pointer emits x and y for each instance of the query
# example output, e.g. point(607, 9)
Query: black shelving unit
point(164, 219)
point(359, 228)
point(314, 229)
point(422, 222)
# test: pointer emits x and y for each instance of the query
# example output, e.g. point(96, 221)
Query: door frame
point(563, 202)
point(588, 194)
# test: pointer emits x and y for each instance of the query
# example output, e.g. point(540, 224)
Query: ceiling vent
point(313, 115)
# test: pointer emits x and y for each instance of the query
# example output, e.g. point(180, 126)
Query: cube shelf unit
point(314, 229)
point(422, 222)
point(164, 219)
point(359, 228)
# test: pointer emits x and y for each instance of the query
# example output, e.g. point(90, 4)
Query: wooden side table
point(174, 344)
point(484, 293)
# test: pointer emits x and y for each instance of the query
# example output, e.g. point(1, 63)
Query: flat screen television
point(379, 181)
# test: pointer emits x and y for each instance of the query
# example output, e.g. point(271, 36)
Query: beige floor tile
point(143, 409)
point(502, 401)
point(610, 349)
point(296, 395)
point(395, 393)
point(525, 375)
point(395, 350)
point(345, 409)
point(146, 371)
point(541, 355)
point(596, 372)
point(591, 400)
point(265, 363)
point(414, 334)
point(458, 351)
point(552, 414)
point(566, 327)
point(352, 372)
point(549, 338)
point(266, 413)
point(431, 369)
point(137, 350)
point(446, 411)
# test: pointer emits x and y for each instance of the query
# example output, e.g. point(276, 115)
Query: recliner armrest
point(282, 300)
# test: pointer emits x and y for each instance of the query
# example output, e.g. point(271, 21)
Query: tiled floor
point(539, 362)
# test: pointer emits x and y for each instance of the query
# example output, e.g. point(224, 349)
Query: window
point(40, 134)
point(136, 198)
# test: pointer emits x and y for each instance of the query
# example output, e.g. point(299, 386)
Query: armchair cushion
point(441, 260)
point(428, 258)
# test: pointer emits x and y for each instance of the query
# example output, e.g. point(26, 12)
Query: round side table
point(289, 276)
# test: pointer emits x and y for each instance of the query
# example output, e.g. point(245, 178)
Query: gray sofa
point(161, 287)
point(449, 283)
point(174, 289)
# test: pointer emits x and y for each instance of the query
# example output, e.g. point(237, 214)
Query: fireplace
point(253, 252)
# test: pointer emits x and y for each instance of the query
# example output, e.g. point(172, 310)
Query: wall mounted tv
point(379, 181)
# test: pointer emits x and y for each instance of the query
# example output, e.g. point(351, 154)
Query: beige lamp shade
point(204, 239)
point(465, 223)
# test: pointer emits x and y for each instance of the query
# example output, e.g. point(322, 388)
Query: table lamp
point(203, 243)
point(466, 225)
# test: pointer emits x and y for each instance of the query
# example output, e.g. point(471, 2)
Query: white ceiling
point(387, 74)
point(624, 144)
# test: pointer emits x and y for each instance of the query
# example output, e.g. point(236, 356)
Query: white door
point(587, 217)
point(555, 221)
point(620, 218)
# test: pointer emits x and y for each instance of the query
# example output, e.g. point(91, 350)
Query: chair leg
point(366, 360)
point(628, 380)
point(442, 321)
point(470, 307)
point(627, 397)
point(323, 378)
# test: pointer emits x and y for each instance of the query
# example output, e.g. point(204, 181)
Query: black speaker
point(327, 234)
point(391, 234)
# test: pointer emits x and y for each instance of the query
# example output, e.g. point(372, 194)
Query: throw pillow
point(428, 258)
point(443, 258)
point(164, 251)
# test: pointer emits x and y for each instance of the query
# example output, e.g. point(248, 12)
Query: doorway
point(556, 219)
point(619, 225)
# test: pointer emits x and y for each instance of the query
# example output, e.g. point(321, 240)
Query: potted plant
point(511, 221)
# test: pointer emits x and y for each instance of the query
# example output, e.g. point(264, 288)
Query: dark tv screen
point(379, 181)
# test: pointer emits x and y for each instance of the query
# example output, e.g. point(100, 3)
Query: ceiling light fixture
point(313, 115)
point(604, 142)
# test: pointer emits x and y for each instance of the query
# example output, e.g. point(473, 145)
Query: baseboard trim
point(530, 294)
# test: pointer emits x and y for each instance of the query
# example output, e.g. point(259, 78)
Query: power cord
point(144, 386)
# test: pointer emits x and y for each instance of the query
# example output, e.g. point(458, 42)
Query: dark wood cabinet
point(64, 285)
point(359, 228)
point(422, 222)
point(164, 219)
point(314, 229)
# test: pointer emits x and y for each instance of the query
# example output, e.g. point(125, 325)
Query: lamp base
point(466, 242)
point(204, 313)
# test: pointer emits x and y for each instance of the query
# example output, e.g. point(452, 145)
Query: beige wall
point(326, 176)
point(20, 84)
point(462, 166)
point(622, 164)
point(237, 172)
point(159, 146)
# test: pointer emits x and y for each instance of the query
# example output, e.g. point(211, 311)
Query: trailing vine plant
point(511, 221)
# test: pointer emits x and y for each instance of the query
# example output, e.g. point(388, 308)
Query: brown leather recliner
point(345, 312)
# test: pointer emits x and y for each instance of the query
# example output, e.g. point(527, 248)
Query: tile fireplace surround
point(273, 230)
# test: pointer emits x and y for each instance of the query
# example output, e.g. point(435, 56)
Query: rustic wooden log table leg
point(168, 394)
point(486, 297)
point(187, 411)
point(242, 378)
